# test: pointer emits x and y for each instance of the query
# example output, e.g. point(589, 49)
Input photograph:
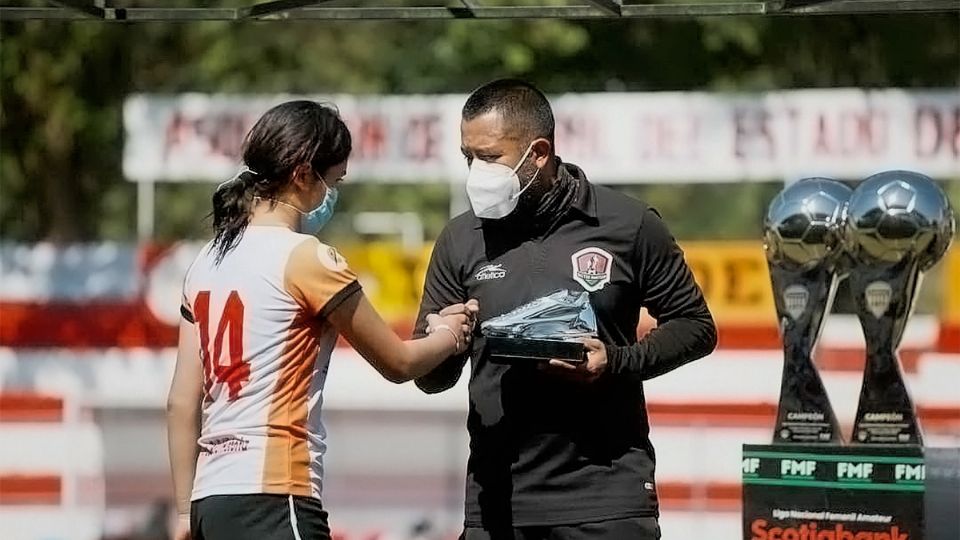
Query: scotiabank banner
point(833, 493)
point(615, 137)
point(823, 525)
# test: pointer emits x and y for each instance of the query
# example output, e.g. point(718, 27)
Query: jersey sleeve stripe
point(340, 297)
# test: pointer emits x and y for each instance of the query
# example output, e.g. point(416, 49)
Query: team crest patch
point(331, 258)
point(591, 268)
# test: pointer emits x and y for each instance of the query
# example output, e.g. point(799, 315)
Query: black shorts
point(258, 517)
point(640, 528)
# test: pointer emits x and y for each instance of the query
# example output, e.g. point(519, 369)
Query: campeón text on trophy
point(899, 225)
point(548, 327)
point(803, 241)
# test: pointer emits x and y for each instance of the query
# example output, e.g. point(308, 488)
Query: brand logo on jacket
point(490, 271)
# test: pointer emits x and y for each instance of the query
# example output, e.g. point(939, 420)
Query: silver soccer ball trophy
point(899, 225)
point(895, 215)
point(803, 227)
point(803, 241)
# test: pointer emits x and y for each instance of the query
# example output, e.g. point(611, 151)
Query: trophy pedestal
point(536, 349)
point(899, 491)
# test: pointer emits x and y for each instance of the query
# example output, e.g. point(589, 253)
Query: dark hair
point(518, 101)
point(287, 136)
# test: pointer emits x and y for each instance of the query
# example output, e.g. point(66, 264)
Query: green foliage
point(62, 87)
point(710, 211)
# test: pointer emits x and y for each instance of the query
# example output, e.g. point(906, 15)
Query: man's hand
point(470, 309)
point(589, 371)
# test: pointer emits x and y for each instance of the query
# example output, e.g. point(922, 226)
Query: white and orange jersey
point(265, 344)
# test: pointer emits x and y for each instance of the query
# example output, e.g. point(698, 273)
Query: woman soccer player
point(262, 306)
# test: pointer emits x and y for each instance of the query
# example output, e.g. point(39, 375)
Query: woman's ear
point(541, 152)
point(302, 177)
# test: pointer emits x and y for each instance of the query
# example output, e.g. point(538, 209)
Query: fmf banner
point(833, 493)
point(615, 137)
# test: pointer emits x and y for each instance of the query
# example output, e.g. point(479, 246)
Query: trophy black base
point(896, 427)
point(804, 413)
point(885, 413)
point(536, 349)
point(896, 492)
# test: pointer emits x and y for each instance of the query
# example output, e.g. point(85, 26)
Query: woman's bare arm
point(400, 361)
point(183, 415)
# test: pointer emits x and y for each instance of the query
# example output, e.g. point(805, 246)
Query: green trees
point(62, 87)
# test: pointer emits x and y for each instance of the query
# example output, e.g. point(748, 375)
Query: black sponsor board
point(810, 492)
point(942, 493)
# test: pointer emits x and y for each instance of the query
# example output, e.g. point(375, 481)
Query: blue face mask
point(311, 222)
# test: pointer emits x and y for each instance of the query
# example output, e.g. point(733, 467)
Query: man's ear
point(541, 150)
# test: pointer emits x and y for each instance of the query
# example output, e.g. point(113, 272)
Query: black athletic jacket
point(547, 451)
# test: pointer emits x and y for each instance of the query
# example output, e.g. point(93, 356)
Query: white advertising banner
point(615, 137)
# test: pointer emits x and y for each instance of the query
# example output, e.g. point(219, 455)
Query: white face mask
point(493, 188)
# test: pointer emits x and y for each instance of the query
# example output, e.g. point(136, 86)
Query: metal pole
point(146, 195)
point(458, 199)
point(597, 9)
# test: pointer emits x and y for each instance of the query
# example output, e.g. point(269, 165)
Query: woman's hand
point(459, 320)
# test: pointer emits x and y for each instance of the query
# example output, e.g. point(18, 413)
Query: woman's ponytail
point(232, 207)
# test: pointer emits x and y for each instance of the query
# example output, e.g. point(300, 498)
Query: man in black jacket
point(558, 450)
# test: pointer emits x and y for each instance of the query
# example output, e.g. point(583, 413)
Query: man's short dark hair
point(520, 103)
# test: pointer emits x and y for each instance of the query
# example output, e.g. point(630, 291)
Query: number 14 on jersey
point(222, 370)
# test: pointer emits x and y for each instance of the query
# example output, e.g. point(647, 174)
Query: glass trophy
point(549, 327)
